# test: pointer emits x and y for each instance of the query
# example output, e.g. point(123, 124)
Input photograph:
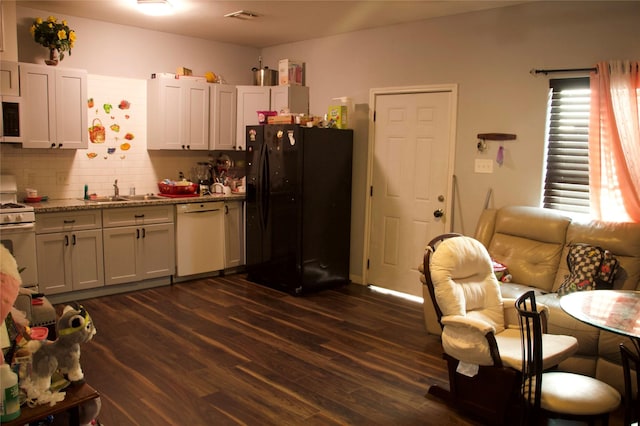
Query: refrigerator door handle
point(264, 185)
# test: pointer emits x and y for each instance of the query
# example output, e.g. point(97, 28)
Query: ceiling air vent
point(241, 14)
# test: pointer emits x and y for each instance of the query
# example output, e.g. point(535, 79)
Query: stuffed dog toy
point(73, 328)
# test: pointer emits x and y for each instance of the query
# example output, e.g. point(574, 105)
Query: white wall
point(489, 55)
point(117, 50)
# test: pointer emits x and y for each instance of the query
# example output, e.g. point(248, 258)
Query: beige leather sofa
point(533, 243)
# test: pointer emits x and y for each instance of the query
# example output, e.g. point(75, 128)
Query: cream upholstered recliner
point(480, 330)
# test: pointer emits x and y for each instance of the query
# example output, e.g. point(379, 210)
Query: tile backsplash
point(119, 105)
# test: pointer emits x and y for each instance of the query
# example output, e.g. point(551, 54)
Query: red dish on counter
point(166, 189)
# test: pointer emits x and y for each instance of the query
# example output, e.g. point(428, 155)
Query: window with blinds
point(566, 185)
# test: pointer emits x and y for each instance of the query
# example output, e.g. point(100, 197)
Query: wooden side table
point(74, 398)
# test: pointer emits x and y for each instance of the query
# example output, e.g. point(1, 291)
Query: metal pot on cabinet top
point(263, 76)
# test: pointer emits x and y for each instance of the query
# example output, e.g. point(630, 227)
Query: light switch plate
point(61, 178)
point(483, 166)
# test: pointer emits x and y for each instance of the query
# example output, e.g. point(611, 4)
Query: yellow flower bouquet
point(54, 35)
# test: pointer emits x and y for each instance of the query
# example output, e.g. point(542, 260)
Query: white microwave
point(11, 130)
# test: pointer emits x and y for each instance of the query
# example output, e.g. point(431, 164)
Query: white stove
point(10, 210)
point(14, 213)
point(18, 230)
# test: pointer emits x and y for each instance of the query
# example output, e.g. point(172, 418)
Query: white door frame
point(373, 93)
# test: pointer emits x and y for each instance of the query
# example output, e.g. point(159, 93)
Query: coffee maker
point(201, 173)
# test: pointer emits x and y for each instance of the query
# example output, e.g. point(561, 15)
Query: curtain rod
point(545, 72)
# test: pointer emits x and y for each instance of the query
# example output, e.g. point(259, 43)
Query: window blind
point(566, 185)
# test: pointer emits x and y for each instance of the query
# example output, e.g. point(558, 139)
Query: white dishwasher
point(199, 238)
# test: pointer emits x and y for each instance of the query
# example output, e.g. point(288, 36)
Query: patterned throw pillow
point(590, 267)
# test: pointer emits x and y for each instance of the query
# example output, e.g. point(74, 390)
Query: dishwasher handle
point(201, 211)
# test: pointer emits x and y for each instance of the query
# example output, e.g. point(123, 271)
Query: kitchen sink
point(105, 199)
point(144, 197)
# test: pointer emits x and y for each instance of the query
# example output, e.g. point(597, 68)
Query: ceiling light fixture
point(155, 7)
point(242, 14)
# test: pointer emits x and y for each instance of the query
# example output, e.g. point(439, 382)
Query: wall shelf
point(484, 137)
point(496, 136)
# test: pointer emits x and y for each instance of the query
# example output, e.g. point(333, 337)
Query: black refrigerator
point(298, 207)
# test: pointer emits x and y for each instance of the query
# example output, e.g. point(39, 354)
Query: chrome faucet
point(116, 190)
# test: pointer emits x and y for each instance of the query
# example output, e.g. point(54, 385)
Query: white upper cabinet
point(295, 99)
point(54, 105)
point(177, 114)
point(250, 100)
point(9, 79)
point(222, 119)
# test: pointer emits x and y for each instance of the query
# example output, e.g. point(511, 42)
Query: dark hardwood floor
point(225, 351)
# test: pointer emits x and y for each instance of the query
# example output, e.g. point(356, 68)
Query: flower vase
point(53, 57)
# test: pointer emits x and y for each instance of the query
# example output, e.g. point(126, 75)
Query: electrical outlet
point(483, 166)
point(61, 178)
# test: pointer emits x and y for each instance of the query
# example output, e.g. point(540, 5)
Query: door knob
point(438, 213)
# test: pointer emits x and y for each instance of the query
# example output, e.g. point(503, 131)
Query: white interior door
point(411, 179)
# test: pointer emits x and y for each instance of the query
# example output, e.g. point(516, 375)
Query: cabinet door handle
point(137, 234)
point(226, 209)
point(138, 216)
point(73, 239)
point(69, 222)
point(53, 145)
point(66, 240)
point(144, 232)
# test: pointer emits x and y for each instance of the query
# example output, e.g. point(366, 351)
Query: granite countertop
point(68, 205)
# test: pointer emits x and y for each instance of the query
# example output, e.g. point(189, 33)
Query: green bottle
point(10, 406)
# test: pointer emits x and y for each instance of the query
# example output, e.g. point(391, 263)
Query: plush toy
point(73, 328)
point(10, 282)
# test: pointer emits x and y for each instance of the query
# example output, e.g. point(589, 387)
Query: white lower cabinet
point(234, 234)
point(69, 251)
point(86, 249)
point(139, 243)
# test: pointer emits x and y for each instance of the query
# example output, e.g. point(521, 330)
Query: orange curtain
point(614, 142)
